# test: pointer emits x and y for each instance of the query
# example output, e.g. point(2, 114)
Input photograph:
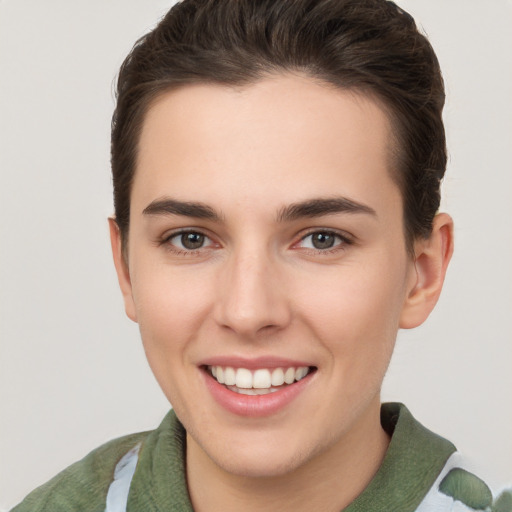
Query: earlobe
point(123, 274)
point(432, 257)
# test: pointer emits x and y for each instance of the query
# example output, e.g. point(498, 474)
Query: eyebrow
point(169, 206)
point(323, 206)
point(306, 209)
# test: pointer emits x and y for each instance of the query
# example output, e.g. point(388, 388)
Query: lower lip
point(254, 405)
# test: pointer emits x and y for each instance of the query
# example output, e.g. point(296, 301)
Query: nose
point(252, 297)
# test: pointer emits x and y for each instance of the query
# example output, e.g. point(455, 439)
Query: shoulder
point(425, 473)
point(460, 488)
point(83, 486)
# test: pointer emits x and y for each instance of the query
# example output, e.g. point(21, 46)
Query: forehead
point(303, 137)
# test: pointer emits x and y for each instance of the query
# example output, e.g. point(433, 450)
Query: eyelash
point(185, 252)
point(341, 241)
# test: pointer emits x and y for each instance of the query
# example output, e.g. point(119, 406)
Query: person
point(276, 172)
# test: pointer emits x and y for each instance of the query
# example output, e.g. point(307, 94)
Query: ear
point(432, 256)
point(123, 273)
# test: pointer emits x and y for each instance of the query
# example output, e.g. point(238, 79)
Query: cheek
point(357, 308)
point(167, 296)
point(171, 308)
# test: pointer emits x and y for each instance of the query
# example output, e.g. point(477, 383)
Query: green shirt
point(409, 477)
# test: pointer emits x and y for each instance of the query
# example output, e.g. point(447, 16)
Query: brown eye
point(322, 240)
point(192, 240)
point(189, 241)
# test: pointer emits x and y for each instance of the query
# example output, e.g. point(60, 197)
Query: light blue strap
point(117, 496)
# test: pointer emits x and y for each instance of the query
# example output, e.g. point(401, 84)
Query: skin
point(258, 287)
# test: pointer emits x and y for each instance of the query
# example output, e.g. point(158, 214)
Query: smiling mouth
point(258, 382)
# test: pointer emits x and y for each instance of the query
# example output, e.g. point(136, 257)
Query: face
point(266, 247)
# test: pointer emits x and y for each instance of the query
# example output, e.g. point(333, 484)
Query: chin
point(261, 455)
point(261, 465)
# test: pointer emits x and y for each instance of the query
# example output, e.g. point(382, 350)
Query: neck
point(330, 481)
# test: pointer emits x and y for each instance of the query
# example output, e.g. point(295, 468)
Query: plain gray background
point(72, 370)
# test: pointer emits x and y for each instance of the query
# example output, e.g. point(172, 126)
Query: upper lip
point(253, 363)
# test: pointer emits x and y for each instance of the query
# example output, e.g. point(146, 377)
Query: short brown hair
point(368, 45)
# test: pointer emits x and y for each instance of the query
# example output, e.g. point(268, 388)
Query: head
point(369, 46)
point(276, 177)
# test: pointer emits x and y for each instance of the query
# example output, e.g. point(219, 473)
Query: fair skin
point(295, 257)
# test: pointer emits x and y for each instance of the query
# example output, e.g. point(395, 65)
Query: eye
point(189, 241)
point(322, 240)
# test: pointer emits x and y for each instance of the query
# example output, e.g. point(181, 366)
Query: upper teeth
point(262, 378)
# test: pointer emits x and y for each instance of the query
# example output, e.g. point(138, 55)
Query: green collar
point(414, 459)
point(159, 482)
